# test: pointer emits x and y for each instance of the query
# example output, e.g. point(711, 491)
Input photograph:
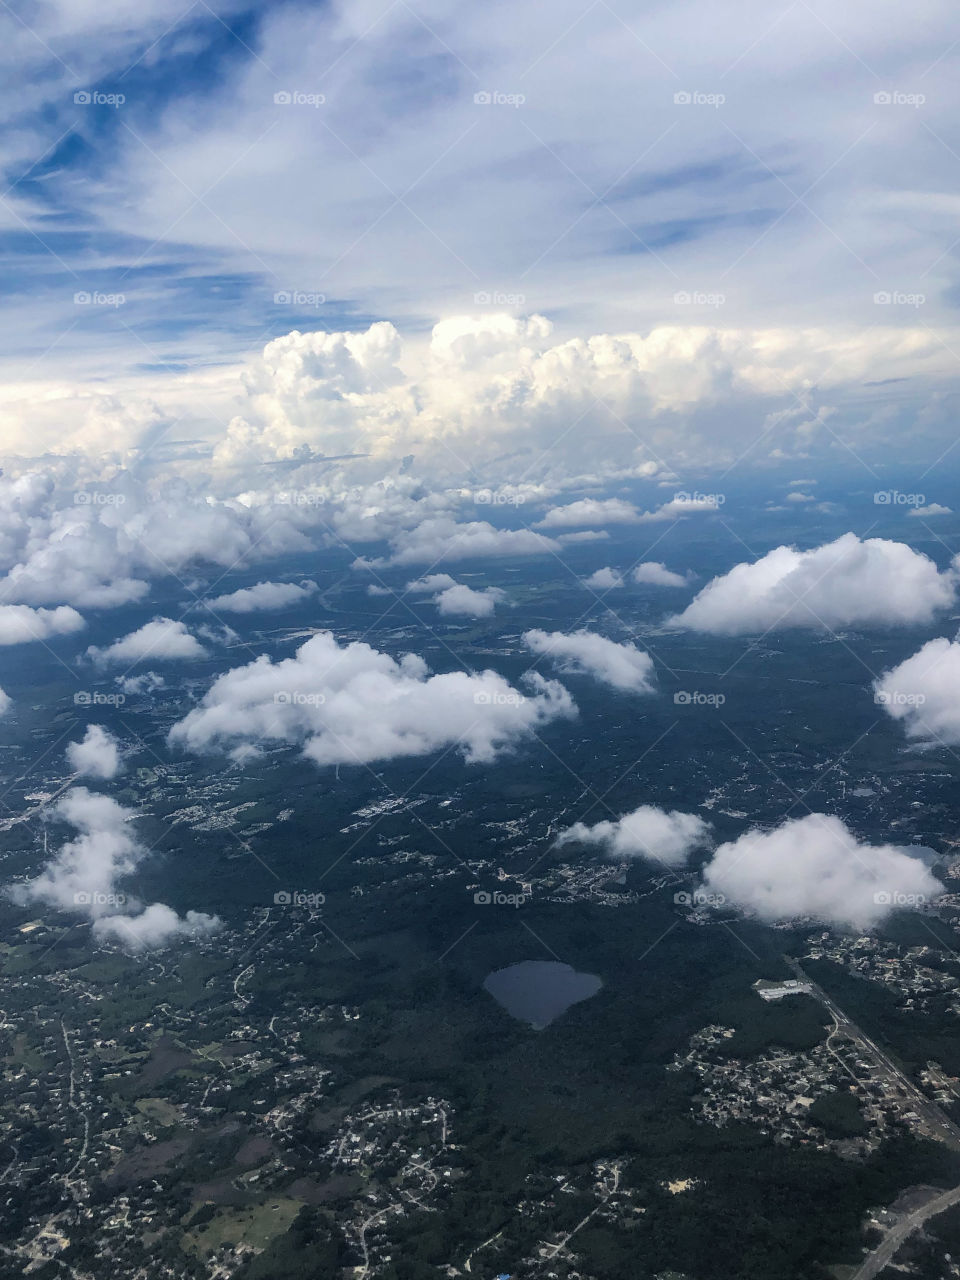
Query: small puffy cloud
point(97, 755)
point(848, 582)
point(154, 926)
point(85, 876)
point(354, 705)
point(590, 511)
point(799, 498)
point(605, 579)
point(585, 535)
point(685, 504)
point(656, 574)
point(622, 666)
point(923, 692)
point(455, 599)
point(145, 683)
point(647, 832)
point(463, 601)
point(161, 640)
point(263, 596)
point(442, 538)
point(815, 866)
point(6, 702)
point(19, 623)
point(931, 509)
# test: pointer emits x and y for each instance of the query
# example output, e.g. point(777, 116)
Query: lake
point(539, 991)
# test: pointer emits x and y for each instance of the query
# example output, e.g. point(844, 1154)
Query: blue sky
point(615, 168)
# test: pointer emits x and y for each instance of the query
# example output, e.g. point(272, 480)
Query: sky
point(729, 227)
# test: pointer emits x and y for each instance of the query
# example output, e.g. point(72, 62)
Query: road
point(936, 1122)
point(874, 1262)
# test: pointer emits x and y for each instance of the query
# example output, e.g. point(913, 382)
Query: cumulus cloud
point(605, 579)
point(6, 702)
point(589, 511)
point(656, 574)
point(586, 535)
point(352, 704)
point(97, 755)
point(161, 640)
point(442, 538)
point(923, 692)
point(455, 599)
point(155, 926)
point(264, 595)
point(931, 509)
point(20, 624)
point(622, 666)
point(815, 866)
point(848, 582)
point(648, 832)
point(85, 876)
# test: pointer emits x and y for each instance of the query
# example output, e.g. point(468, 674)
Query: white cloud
point(85, 876)
point(455, 599)
point(587, 535)
point(647, 832)
point(815, 866)
point(442, 538)
point(145, 682)
point(589, 511)
point(97, 755)
point(605, 579)
point(848, 582)
point(264, 595)
point(20, 624)
point(161, 640)
point(799, 498)
point(656, 574)
point(623, 666)
point(6, 702)
point(923, 692)
point(931, 509)
point(155, 926)
point(352, 704)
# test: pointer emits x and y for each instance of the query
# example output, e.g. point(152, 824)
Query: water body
point(539, 991)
